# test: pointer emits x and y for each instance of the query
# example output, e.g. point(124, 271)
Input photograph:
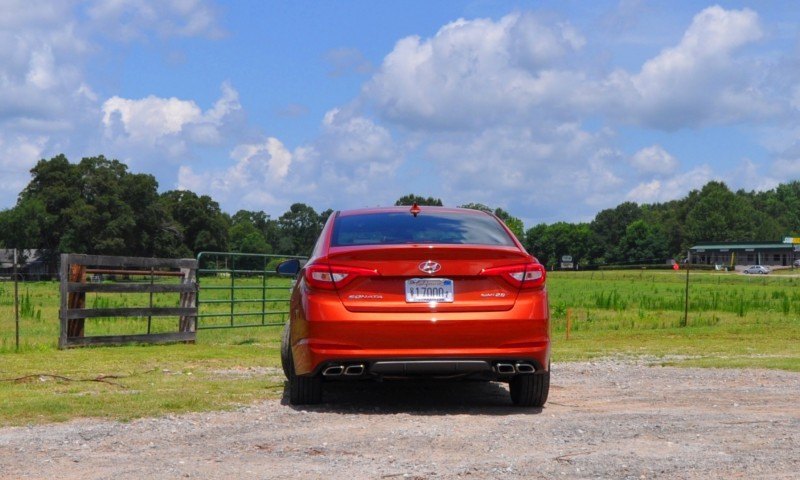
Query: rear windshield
point(389, 228)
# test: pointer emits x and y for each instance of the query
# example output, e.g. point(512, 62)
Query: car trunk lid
point(400, 267)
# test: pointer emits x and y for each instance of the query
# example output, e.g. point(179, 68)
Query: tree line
point(97, 206)
point(653, 233)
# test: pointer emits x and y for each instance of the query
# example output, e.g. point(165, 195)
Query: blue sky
point(552, 110)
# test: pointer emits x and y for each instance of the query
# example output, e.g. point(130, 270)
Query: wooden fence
point(73, 312)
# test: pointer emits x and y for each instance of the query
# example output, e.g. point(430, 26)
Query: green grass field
point(734, 321)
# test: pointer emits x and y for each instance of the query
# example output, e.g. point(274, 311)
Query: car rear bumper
point(442, 340)
point(324, 333)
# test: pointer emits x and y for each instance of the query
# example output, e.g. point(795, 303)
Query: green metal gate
point(241, 290)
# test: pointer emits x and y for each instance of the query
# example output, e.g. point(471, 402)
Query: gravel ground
point(606, 419)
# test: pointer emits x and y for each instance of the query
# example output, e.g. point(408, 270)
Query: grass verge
point(137, 381)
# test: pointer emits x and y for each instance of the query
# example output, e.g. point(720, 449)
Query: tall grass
point(601, 302)
point(730, 316)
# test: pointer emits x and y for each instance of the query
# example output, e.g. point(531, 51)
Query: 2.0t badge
point(430, 267)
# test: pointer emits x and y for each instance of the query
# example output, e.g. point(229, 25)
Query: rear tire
point(530, 390)
point(286, 357)
point(303, 390)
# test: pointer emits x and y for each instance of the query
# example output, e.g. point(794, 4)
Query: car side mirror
point(288, 268)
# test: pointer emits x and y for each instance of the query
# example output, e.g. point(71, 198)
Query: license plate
point(425, 290)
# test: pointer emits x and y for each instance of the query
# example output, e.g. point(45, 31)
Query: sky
point(552, 110)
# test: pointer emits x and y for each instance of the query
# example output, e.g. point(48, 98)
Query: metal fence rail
point(234, 285)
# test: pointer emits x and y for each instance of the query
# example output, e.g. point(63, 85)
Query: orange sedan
point(405, 292)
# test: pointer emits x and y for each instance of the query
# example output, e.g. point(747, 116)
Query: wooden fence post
point(569, 321)
point(75, 326)
point(188, 300)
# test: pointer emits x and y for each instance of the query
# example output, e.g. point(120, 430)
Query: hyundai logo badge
point(430, 267)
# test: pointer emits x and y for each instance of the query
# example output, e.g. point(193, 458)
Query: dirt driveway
point(608, 419)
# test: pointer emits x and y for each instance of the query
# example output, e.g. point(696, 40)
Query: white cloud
point(671, 188)
point(783, 144)
point(151, 117)
point(48, 102)
point(654, 160)
point(41, 73)
point(355, 139)
point(17, 13)
point(270, 160)
point(475, 73)
point(757, 178)
point(559, 169)
point(351, 158)
point(787, 167)
point(499, 106)
point(18, 154)
point(147, 121)
point(258, 172)
point(354, 155)
point(38, 72)
point(478, 73)
point(135, 19)
point(697, 82)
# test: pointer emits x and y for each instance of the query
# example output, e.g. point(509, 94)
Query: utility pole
point(686, 294)
point(16, 300)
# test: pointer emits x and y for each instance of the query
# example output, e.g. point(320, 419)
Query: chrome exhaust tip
point(505, 369)
point(333, 371)
point(354, 370)
point(525, 368)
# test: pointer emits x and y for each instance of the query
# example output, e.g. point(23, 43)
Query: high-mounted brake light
point(529, 275)
point(330, 277)
point(415, 209)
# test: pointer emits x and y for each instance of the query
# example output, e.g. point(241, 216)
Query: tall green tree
point(513, 223)
point(95, 206)
point(411, 199)
point(550, 242)
point(247, 233)
point(477, 206)
point(201, 223)
point(643, 243)
point(609, 227)
point(299, 228)
point(21, 227)
point(719, 215)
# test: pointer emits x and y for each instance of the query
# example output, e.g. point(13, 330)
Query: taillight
point(529, 275)
point(330, 277)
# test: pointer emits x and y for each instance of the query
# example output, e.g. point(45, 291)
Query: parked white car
point(759, 269)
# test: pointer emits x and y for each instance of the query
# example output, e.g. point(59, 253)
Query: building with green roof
point(743, 254)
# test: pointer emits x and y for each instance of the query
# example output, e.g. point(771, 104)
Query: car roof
point(406, 208)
